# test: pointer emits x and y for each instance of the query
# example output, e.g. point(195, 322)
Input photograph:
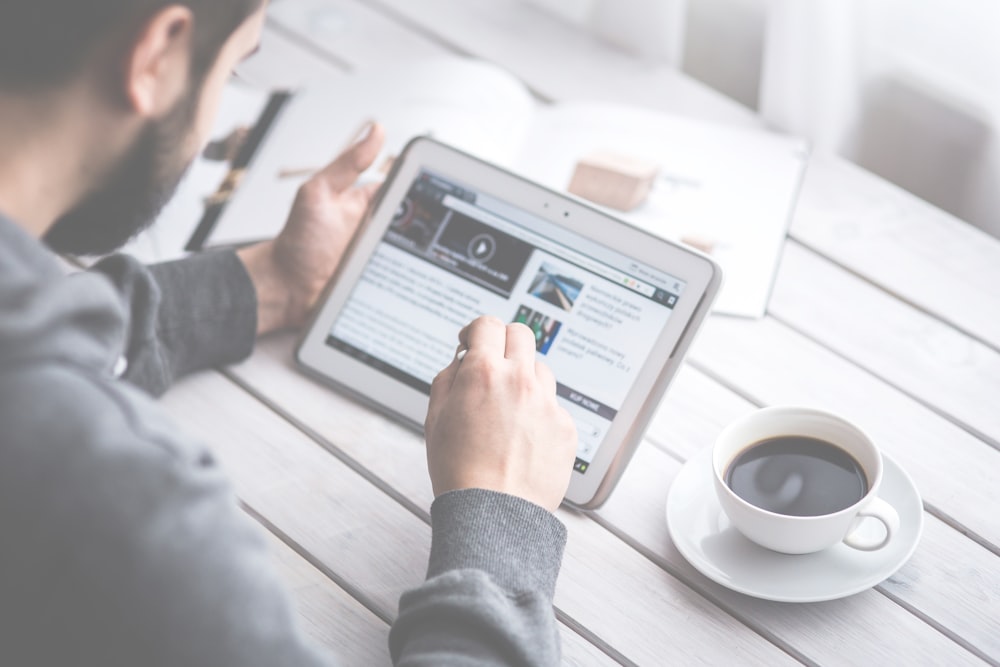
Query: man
point(122, 543)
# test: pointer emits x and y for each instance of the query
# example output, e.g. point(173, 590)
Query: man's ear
point(158, 61)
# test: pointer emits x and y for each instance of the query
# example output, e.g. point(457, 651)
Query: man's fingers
point(343, 172)
point(442, 385)
point(486, 335)
point(545, 378)
point(520, 342)
point(356, 201)
point(368, 191)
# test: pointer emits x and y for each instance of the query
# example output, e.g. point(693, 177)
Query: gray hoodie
point(121, 542)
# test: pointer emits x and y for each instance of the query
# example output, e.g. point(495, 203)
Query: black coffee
point(797, 476)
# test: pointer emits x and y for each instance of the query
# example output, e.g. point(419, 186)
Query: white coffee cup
point(803, 534)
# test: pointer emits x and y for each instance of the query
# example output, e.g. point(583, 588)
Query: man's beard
point(132, 196)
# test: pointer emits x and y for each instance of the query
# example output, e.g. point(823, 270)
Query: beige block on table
point(703, 243)
point(614, 180)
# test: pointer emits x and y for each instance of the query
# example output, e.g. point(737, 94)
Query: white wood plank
point(353, 528)
point(910, 248)
point(921, 355)
point(951, 580)
point(578, 652)
point(693, 412)
point(957, 583)
point(357, 531)
point(597, 570)
point(954, 471)
point(329, 616)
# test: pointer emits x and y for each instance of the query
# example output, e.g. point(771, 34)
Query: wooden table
point(885, 310)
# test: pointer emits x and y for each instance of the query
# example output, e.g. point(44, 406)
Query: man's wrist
point(277, 306)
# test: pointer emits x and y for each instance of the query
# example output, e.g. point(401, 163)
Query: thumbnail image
point(554, 288)
point(545, 327)
point(417, 221)
point(481, 253)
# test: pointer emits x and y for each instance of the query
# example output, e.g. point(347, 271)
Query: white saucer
point(702, 533)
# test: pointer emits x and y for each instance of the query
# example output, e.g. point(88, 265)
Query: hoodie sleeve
point(490, 582)
point(123, 542)
point(183, 316)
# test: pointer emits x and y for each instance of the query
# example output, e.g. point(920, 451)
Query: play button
point(482, 248)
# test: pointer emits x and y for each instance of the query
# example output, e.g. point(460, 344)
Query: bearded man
point(122, 542)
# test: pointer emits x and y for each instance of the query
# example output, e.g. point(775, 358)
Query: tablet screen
point(452, 254)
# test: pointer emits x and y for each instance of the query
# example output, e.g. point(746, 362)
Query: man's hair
point(45, 43)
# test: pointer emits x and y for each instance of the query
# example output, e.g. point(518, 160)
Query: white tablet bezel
point(700, 274)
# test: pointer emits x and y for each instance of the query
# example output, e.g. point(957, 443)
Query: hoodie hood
point(49, 316)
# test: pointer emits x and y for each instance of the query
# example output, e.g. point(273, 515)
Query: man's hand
point(493, 421)
point(291, 271)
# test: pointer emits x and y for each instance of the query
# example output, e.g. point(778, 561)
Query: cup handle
point(876, 509)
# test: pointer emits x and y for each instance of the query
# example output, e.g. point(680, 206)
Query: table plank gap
point(308, 45)
point(610, 651)
point(958, 639)
point(920, 354)
point(445, 46)
point(725, 382)
point(328, 614)
point(332, 449)
point(957, 525)
point(441, 39)
point(894, 292)
point(678, 573)
point(847, 358)
point(352, 590)
point(284, 64)
point(393, 14)
point(354, 33)
point(919, 253)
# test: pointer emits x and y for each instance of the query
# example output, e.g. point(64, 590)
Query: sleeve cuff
point(517, 543)
point(208, 316)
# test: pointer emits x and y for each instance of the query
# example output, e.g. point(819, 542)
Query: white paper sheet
point(733, 186)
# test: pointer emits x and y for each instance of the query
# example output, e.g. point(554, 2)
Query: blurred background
point(908, 89)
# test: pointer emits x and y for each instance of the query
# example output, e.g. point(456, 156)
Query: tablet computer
point(450, 238)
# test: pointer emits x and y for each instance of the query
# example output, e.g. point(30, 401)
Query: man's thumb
point(344, 171)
